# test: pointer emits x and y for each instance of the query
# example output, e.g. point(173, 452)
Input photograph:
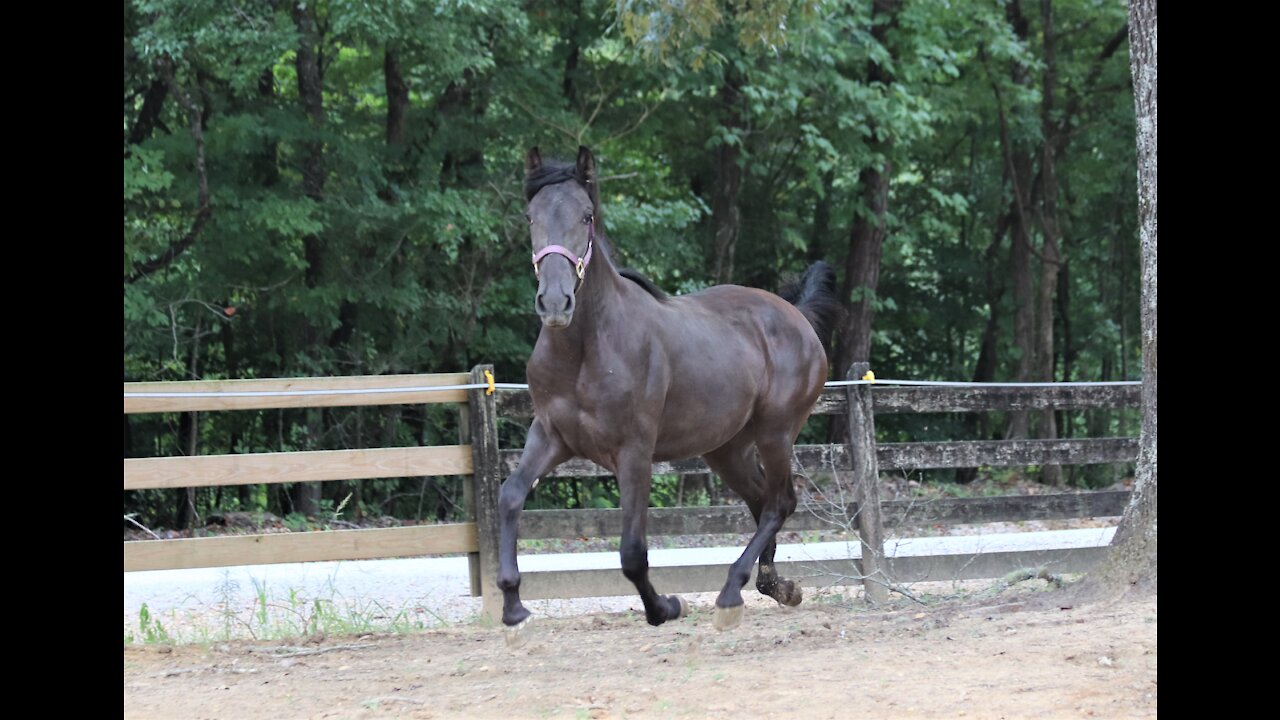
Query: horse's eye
point(586, 220)
point(526, 217)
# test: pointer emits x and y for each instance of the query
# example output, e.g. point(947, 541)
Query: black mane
point(643, 282)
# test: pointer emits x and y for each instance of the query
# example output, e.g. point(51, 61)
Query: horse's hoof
point(684, 607)
point(788, 593)
point(727, 618)
point(517, 635)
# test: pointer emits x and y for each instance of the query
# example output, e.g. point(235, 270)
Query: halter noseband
point(579, 263)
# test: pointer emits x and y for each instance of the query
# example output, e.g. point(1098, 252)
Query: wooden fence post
point(866, 479)
point(486, 480)
point(469, 494)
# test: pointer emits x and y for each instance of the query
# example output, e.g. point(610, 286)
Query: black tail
point(814, 295)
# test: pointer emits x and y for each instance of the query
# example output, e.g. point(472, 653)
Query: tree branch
point(1077, 98)
point(149, 115)
point(204, 209)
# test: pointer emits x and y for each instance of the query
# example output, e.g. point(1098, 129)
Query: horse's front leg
point(634, 479)
point(542, 452)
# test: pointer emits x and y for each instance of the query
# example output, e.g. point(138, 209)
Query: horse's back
point(770, 330)
point(744, 354)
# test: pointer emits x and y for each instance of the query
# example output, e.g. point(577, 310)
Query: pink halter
point(579, 263)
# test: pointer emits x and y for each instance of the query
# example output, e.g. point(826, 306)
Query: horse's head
point(562, 222)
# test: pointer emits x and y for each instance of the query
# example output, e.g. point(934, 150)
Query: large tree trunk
point(306, 496)
point(862, 266)
point(866, 238)
point(1018, 167)
point(1130, 566)
point(1050, 256)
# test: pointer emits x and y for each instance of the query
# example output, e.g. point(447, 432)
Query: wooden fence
point(866, 513)
point(479, 455)
point(207, 470)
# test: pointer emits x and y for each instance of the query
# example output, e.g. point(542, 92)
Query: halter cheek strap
point(579, 263)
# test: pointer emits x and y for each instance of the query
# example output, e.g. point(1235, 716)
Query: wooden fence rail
point(868, 516)
point(898, 456)
point(479, 456)
point(891, 399)
point(289, 467)
point(735, 519)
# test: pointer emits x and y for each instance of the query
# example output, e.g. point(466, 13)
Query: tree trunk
point(866, 239)
point(1050, 256)
point(1018, 167)
point(397, 97)
point(196, 118)
point(191, 422)
point(572, 57)
point(821, 220)
point(149, 116)
point(244, 493)
point(311, 93)
point(266, 167)
point(1130, 566)
point(459, 105)
point(725, 215)
point(272, 430)
point(306, 496)
point(985, 368)
point(1068, 354)
point(862, 267)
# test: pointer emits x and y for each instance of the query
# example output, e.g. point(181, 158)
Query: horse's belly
point(693, 425)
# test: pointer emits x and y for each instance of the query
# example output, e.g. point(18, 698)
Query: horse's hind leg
point(770, 583)
point(778, 501)
point(737, 466)
point(634, 480)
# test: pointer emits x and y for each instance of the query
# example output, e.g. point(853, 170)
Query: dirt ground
point(819, 660)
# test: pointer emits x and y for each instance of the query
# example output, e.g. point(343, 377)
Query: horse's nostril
point(539, 305)
point(568, 306)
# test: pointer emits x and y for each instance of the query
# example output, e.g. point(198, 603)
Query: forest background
point(333, 188)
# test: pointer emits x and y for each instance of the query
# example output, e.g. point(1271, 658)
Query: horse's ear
point(586, 165)
point(532, 161)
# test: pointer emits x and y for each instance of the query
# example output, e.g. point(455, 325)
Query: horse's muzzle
point(557, 322)
point(555, 308)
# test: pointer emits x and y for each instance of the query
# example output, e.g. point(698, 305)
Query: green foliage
point(149, 631)
point(414, 257)
point(284, 614)
point(661, 27)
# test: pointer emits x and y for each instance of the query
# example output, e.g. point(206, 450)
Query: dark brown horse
point(624, 375)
